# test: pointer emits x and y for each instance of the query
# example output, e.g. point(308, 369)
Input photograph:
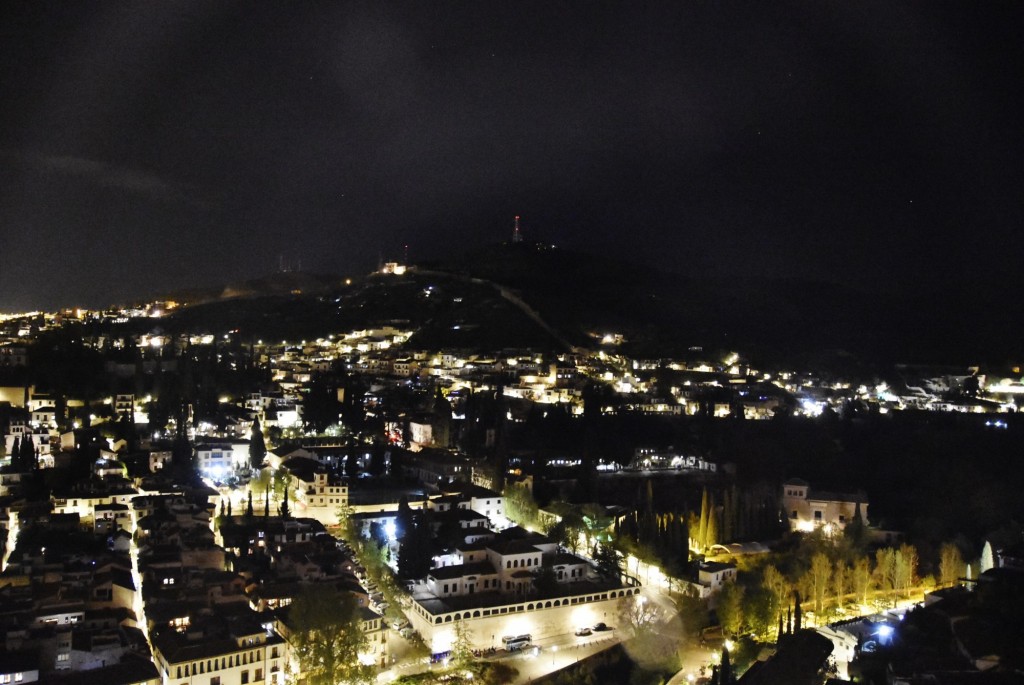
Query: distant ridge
point(788, 320)
point(537, 295)
point(280, 283)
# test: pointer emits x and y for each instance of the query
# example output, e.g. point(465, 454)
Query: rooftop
point(481, 568)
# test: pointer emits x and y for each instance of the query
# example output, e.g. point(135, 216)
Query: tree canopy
point(325, 631)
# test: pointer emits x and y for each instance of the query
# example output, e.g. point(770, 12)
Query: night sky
point(148, 146)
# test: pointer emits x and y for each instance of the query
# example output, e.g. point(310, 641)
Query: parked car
point(601, 627)
point(583, 632)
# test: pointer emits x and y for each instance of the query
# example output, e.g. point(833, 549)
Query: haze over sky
point(152, 146)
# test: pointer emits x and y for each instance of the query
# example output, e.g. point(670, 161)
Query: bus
point(513, 643)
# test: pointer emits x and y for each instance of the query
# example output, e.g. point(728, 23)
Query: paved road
point(554, 654)
point(559, 652)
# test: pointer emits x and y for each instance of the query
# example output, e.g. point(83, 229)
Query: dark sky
point(153, 145)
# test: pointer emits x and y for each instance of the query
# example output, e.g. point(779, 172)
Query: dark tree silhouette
point(257, 445)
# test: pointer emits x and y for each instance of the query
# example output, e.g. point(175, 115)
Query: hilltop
point(276, 284)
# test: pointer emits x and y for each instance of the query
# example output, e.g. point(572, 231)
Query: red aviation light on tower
point(517, 237)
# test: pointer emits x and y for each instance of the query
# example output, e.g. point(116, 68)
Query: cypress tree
point(284, 505)
point(403, 519)
point(683, 537)
point(257, 445)
point(16, 452)
point(672, 532)
point(702, 532)
point(734, 514)
point(987, 561)
point(797, 617)
point(711, 535)
point(725, 672)
point(854, 530)
point(266, 504)
point(248, 507)
point(743, 530)
point(727, 531)
point(28, 453)
point(182, 457)
point(229, 508)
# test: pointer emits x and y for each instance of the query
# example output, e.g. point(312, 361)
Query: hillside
point(661, 313)
point(791, 321)
point(538, 296)
point(445, 311)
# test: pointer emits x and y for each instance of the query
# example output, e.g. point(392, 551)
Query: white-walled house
point(482, 500)
point(714, 574)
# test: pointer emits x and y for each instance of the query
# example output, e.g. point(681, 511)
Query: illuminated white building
point(393, 268)
point(490, 588)
point(218, 460)
point(807, 509)
point(242, 656)
point(318, 495)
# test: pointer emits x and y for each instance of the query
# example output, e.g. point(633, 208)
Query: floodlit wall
point(539, 618)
